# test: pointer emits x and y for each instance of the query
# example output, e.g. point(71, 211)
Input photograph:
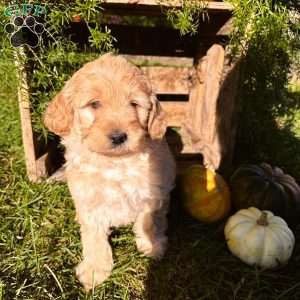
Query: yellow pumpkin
point(205, 194)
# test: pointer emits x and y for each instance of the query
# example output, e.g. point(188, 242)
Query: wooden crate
point(192, 76)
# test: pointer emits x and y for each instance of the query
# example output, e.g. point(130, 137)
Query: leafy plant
point(186, 18)
point(260, 23)
point(102, 40)
point(269, 111)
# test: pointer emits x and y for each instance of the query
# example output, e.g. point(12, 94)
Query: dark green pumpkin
point(266, 188)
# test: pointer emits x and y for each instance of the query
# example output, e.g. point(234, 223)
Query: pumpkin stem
point(263, 219)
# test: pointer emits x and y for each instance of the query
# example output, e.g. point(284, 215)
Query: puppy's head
point(109, 105)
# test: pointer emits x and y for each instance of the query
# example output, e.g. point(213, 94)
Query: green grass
point(39, 239)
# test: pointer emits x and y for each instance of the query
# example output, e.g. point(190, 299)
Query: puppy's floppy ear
point(157, 124)
point(59, 114)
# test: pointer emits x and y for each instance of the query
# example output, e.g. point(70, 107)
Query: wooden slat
point(24, 107)
point(182, 164)
point(166, 61)
point(41, 166)
point(168, 80)
point(226, 28)
point(212, 6)
point(203, 107)
point(214, 70)
point(175, 112)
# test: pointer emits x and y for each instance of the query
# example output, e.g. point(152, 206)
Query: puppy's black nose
point(118, 137)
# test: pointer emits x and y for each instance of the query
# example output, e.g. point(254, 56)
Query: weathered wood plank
point(41, 166)
point(203, 108)
point(212, 6)
point(169, 80)
point(211, 121)
point(24, 108)
point(166, 61)
point(182, 164)
point(175, 112)
point(214, 70)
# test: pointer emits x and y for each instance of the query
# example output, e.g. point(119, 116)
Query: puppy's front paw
point(155, 249)
point(91, 275)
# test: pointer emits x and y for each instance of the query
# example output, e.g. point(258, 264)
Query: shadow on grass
point(198, 265)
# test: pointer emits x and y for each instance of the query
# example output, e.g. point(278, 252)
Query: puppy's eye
point(95, 104)
point(133, 104)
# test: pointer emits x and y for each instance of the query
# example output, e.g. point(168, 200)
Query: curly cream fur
point(113, 186)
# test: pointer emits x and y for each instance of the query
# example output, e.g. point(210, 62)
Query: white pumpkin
point(259, 238)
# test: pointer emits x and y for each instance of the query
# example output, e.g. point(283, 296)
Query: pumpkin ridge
point(284, 231)
point(246, 216)
point(275, 221)
point(253, 211)
point(263, 250)
point(276, 237)
point(248, 169)
point(238, 224)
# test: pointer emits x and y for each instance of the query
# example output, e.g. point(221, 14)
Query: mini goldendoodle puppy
point(118, 166)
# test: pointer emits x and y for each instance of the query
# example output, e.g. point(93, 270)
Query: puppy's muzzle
point(118, 137)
